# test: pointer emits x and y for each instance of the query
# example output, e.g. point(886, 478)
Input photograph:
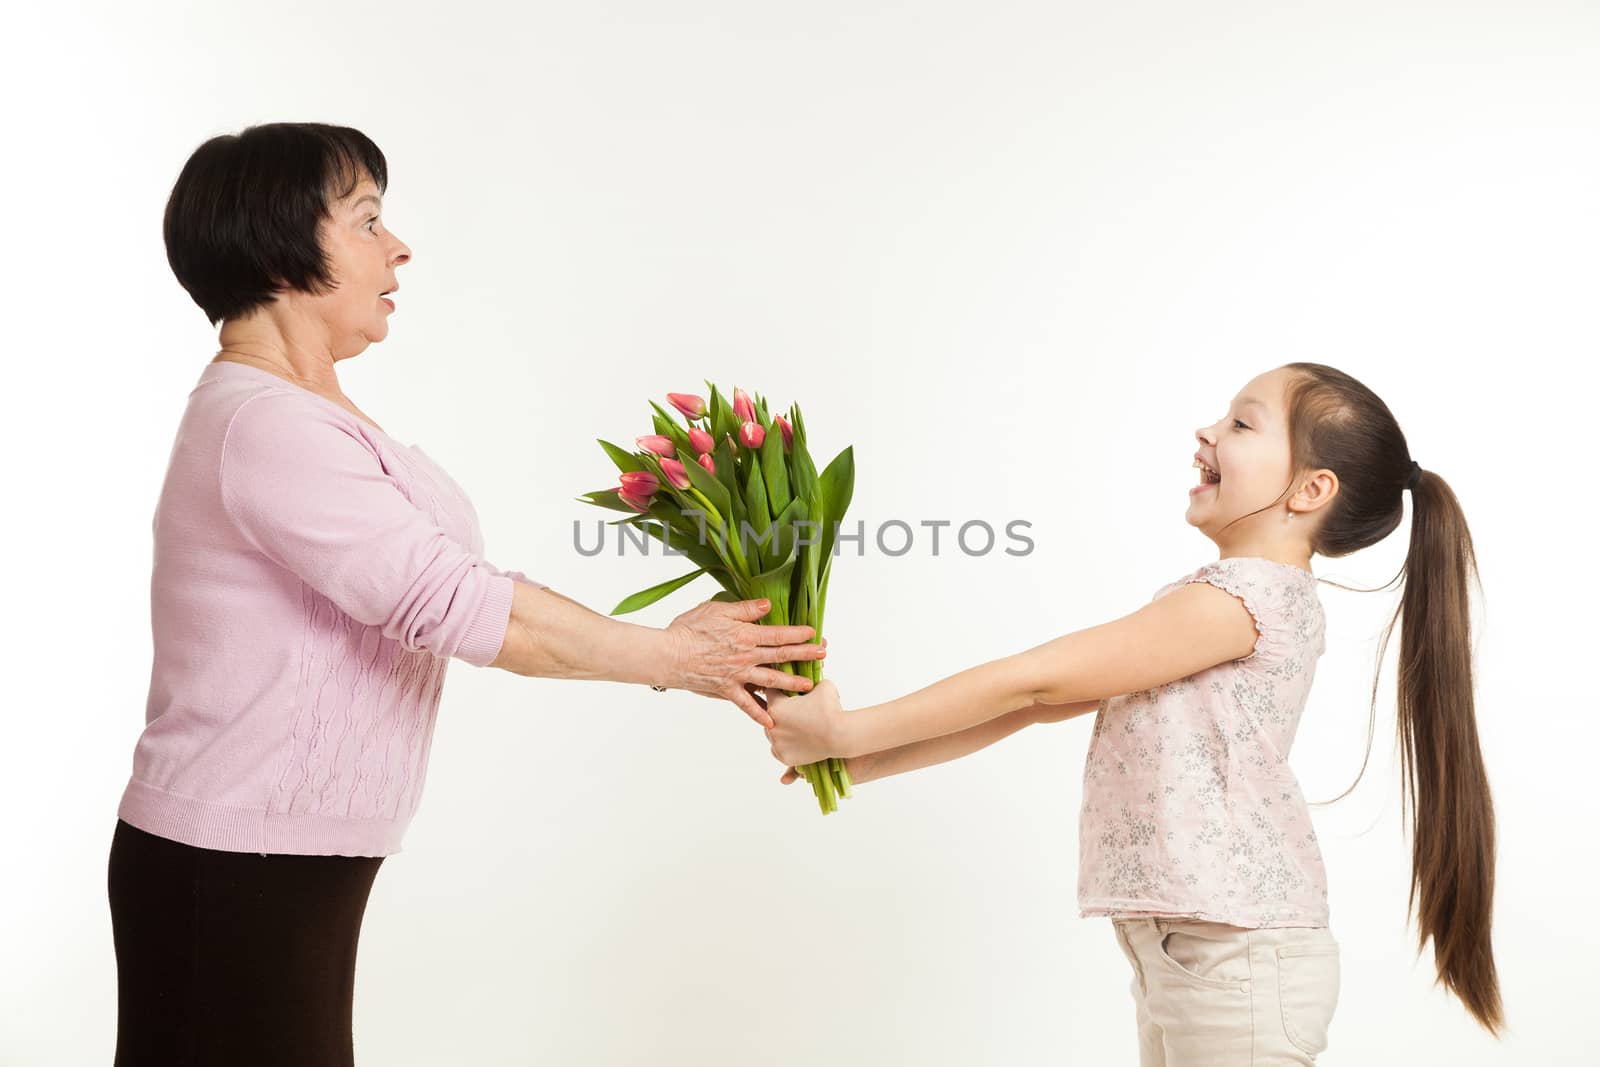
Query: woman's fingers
point(771, 679)
point(743, 609)
point(790, 653)
point(796, 683)
point(785, 635)
point(751, 706)
point(789, 776)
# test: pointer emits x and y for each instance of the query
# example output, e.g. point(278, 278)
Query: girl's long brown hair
point(1337, 423)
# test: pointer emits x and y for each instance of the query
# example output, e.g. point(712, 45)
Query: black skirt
point(233, 958)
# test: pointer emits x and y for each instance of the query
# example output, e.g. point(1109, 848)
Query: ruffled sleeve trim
point(1236, 577)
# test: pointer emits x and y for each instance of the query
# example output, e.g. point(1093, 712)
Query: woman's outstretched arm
point(715, 649)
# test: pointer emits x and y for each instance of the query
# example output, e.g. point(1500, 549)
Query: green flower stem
point(733, 541)
point(736, 565)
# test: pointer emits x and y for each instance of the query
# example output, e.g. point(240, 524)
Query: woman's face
point(1249, 447)
point(363, 255)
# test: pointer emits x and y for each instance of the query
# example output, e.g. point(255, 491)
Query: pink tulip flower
point(751, 435)
point(708, 463)
point(642, 484)
point(788, 432)
point(658, 443)
point(637, 503)
point(700, 441)
point(674, 471)
point(693, 407)
point(742, 407)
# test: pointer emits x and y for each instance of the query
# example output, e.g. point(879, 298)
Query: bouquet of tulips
point(735, 491)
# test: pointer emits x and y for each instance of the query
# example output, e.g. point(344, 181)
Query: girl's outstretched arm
point(1195, 626)
point(920, 754)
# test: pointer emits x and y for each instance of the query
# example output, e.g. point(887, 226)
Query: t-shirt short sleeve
point(309, 493)
point(1250, 581)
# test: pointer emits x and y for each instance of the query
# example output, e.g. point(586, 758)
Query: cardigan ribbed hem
point(205, 824)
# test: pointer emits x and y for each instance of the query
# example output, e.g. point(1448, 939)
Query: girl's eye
point(370, 222)
point(1236, 422)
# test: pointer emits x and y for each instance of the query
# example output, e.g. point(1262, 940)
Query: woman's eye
point(1236, 422)
point(371, 221)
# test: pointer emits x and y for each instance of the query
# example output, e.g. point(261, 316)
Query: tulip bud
point(788, 432)
point(642, 484)
point(637, 503)
point(673, 469)
point(658, 443)
point(751, 435)
point(700, 441)
point(742, 407)
point(707, 463)
point(693, 407)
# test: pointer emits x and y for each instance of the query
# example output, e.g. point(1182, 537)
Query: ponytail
point(1452, 814)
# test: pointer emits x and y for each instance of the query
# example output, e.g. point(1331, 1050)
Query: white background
point(1015, 254)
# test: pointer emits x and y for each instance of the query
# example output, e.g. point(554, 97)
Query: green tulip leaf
point(646, 597)
point(775, 468)
point(626, 461)
point(607, 498)
point(837, 487)
point(708, 485)
point(725, 459)
point(701, 554)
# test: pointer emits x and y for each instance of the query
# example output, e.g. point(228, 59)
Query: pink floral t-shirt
point(1189, 805)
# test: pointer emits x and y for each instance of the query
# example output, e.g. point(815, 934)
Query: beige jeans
point(1211, 995)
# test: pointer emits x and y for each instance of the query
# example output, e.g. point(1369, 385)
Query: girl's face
point(1249, 448)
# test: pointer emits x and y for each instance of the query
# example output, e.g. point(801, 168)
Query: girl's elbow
point(1044, 712)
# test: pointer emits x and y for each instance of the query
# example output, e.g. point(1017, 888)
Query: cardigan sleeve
point(518, 575)
point(310, 494)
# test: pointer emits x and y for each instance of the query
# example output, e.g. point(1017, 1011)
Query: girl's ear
point(1317, 491)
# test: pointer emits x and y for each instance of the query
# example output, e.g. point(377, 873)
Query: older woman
point(313, 576)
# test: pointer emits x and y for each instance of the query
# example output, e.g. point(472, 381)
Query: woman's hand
point(719, 650)
point(807, 728)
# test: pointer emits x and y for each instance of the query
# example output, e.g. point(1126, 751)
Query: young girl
point(1194, 837)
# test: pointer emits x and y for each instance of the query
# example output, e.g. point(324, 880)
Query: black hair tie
point(1414, 476)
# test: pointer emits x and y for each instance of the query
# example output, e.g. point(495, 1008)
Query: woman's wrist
point(661, 664)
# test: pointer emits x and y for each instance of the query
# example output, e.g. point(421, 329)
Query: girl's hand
point(807, 728)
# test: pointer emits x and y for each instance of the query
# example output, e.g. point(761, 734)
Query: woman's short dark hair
point(241, 223)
